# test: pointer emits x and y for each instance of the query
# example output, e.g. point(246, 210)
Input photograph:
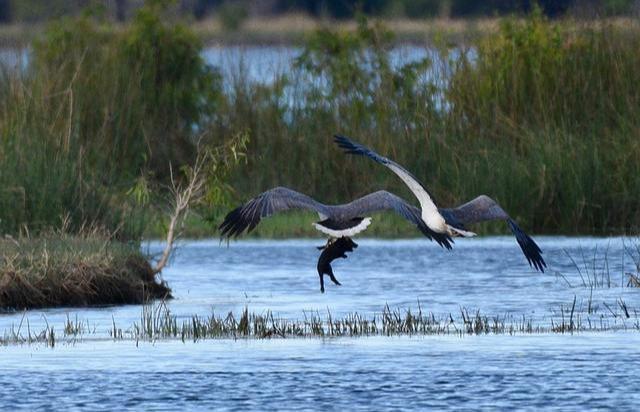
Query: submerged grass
point(594, 269)
point(158, 323)
point(74, 270)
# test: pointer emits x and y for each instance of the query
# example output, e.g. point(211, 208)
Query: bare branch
point(183, 197)
point(208, 170)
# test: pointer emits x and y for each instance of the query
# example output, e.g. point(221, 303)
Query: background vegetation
point(89, 130)
point(542, 116)
point(30, 11)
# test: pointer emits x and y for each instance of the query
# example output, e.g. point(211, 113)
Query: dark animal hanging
point(330, 252)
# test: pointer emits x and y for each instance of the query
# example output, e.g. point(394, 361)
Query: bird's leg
point(329, 242)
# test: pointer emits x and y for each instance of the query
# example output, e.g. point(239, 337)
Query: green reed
point(96, 110)
point(542, 116)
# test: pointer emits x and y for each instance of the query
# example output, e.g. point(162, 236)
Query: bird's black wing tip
point(235, 223)
point(345, 143)
point(529, 247)
point(353, 148)
point(444, 241)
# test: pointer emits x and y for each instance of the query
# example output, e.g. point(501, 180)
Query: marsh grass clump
point(157, 323)
point(74, 270)
point(596, 270)
point(23, 334)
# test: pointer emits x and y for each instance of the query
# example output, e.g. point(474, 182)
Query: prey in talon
point(334, 249)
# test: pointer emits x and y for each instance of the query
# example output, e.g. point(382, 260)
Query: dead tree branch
point(184, 195)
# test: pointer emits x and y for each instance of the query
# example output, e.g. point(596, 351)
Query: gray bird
point(451, 222)
point(337, 221)
point(340, 222)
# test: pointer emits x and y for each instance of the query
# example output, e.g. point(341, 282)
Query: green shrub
point(97, 108)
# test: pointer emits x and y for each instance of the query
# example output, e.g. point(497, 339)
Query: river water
point(578, 371)
point(259, 64)
point(585, 370)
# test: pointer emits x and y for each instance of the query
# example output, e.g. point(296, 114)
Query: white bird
point(430, 213)
point(451, 222)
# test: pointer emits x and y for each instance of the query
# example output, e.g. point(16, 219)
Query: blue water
point(562, 372)
point(588, 370)
point(263, 63)
point(241, 66)
point(258, 64)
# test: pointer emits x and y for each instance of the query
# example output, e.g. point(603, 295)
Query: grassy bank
point(292, 30)
point(73, 270)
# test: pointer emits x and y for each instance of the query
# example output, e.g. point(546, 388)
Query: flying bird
point(345, 220)
point(336, 221)
point(451, 222)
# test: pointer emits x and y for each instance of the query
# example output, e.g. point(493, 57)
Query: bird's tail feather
point(442, 239)
point(460, 232)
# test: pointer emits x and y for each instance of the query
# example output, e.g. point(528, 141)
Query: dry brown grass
point(292, 28)
point(62, 270)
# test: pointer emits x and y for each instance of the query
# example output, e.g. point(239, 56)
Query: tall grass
point(96, 110)
point(542, 116)
point(555, 116)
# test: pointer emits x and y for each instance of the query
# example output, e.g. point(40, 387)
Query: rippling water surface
point(589, 370)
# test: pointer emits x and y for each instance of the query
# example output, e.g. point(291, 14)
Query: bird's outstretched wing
point(383, 200)
point(427, 202)
point(482, 209)
point(279, 199)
